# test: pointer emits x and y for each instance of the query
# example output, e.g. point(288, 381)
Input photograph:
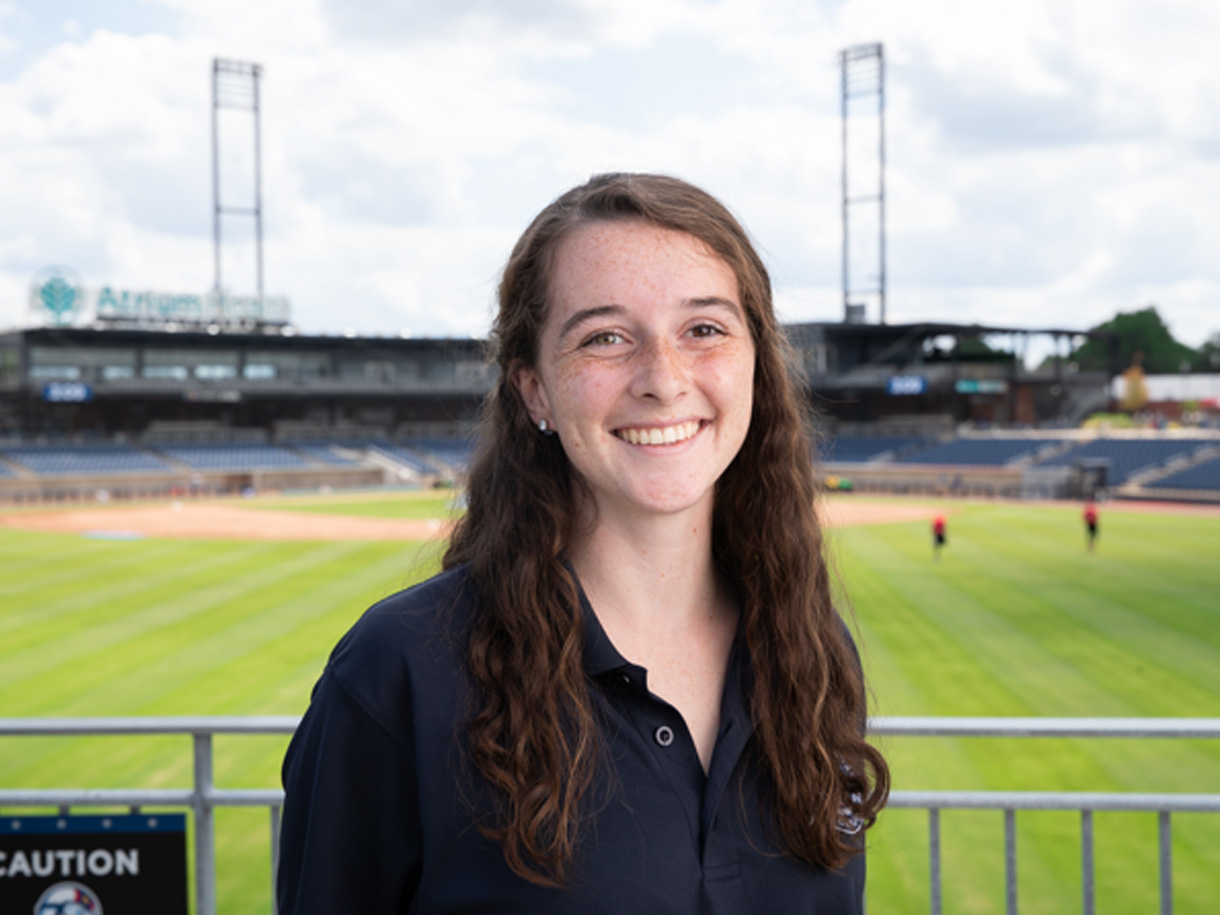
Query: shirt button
point(625, 678)
point(664, 735)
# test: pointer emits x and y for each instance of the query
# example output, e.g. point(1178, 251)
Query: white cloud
point(1047, 162)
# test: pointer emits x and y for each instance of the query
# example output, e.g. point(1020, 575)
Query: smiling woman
point(645, 368)
point(629, 689)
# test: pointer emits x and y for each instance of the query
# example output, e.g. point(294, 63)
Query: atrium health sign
point(93, 865)
point(58, 298)
point(159, 307)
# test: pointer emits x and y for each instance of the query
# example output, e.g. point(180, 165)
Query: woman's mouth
point(659, 435)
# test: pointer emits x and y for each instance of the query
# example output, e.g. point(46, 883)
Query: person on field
point(1091, 520)
point(938, 535)
point(628, 690)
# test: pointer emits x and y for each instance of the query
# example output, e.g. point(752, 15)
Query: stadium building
point(160, 395)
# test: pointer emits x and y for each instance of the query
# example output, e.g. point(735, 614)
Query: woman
point(628, 690)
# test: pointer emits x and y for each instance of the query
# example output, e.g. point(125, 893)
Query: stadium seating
point(84, 460)
point(452, 452)
point(323, 453)
point(407, 457)
point(235, 457)
point(1204, 476)
point(866, 447)
point(979, 451)
point(1127, 456)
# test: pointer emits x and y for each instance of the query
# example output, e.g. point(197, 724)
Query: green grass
point(407, 505)
point(1015, 619)
point(177, 627)
point(1018, 619)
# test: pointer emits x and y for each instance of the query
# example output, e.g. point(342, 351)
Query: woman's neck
point(651, 576)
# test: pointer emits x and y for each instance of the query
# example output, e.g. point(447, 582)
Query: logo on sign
point(68, 898)
point(57, 293)
point(67, 392)
point(906, 385)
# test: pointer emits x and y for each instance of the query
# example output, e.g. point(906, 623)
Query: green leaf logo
point(58, 297)
point(56, 294)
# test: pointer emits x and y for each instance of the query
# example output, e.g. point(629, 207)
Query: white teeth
point(668, 436)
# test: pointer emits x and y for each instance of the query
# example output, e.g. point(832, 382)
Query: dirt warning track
point(223, 522)
point(206, 520)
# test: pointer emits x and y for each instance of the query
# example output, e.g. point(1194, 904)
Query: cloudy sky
point(1050, 162)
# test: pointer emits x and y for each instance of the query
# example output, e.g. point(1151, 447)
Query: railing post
point(1086, 860)
point(275, 856)
point(205, 832)
point(1010, 860)
point(1166, 843)
point(934, 857)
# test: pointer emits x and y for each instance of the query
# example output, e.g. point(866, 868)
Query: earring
point(544, 428)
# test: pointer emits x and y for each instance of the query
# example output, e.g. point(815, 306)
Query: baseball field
point(230, 608)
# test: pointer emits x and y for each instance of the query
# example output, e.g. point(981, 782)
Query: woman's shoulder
point(414, 634)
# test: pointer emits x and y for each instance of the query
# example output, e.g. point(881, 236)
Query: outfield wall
point(930, 479)
point(105, 487)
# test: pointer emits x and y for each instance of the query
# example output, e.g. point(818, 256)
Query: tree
point(1209, 355)
point(1140, 331)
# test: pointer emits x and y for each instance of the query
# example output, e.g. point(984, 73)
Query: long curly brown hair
point(533, 734)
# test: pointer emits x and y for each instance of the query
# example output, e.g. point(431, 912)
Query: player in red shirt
point(1090, 523)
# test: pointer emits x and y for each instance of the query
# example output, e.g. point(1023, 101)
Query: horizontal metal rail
point(204, 796)
point(1179, 728)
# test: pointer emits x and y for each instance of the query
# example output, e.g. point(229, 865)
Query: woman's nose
point(662, 372)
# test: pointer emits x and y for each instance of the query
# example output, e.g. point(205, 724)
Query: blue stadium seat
point(1202, 477)
point(1127, 456)
point(858, 448)
point(235, 457)
point(451, 452)
point(407, 457)
point(979, 451)
point(323, 453)
point(85, 460)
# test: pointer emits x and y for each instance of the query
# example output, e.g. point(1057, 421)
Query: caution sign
point(93, 865)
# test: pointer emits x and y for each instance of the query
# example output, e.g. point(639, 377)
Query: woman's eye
point(604, 338)
point(705, 330)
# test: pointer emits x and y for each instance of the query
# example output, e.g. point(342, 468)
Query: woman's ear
point(532, 392)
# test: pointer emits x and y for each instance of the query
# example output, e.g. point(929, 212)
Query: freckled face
point(645, 366)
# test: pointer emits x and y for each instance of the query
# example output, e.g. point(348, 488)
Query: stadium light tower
point(862, 76)
point(235, 85)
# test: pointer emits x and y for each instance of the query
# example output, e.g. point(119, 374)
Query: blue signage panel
point(67, 392)
point(53, 865)
point(980, 386)
point(906, 385)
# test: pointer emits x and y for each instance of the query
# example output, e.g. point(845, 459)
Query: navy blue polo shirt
point(381, 803)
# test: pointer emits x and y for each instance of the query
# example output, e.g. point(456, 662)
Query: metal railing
point(204, 797)
point(1086, 802)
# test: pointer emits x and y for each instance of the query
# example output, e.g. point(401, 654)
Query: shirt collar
point(600, 655)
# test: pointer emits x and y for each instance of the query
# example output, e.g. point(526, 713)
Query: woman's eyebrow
point(714, 301)
point(597, 311)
